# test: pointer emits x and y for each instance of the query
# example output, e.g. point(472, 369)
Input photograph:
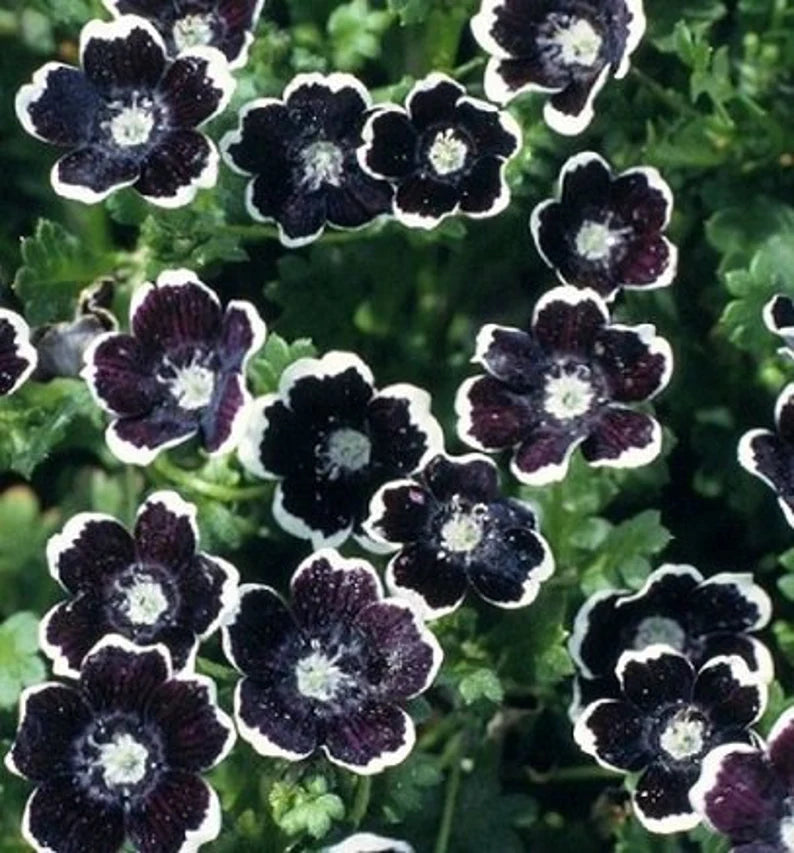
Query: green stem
point(450, 798)
point(583, 773)
point(189, 481)
point(361, 802)
point(670, 98)
point(467, 67)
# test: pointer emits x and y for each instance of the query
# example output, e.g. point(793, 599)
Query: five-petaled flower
point(151, 586)
point(566, 48)
point(747, 793)
point(118, 754)
point(770, 455)
point(668, 716)
point(701, 618)
point(454, 529)
point(18, 356)
point(604, 231)
point(331, 440)
point(778, 316)
point(564, 383)
point(224, 24)
point(180, 372)
point(301, 152)
point(333, 670)
point(130, 115)
point(445, 153)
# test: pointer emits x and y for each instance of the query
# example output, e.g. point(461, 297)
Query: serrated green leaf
point(265, 369)
point(482, 683)
point(20, 665)
point(356, 31)
point(411, 11)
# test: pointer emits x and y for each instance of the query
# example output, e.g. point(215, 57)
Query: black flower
point(701, 618)
point(779, 319)
point(151, 586)
point(333, 670)
point(454, 529)
point(668, 716)
point(565, 383)
point(605, 231)
point(301, 151)
point(747, 793)
point(445, 152)
point(129, 116)
point(180, 372)
point(118, 754)
point(565, 48)
point(18, 357)
point(224, 24)
point(331, 440)
point(770, 455)
point(368, 842)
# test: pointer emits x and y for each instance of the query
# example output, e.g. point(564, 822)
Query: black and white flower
point(301, 154)
point(779, 319)
point(668, 717)
point(224, 24)
point(18, 356)
point(699, 617)
point(180, 372)
point(331, 439)
point(770, 455)
point(568, 381)
point(454, 529)
point(332, 670)
point(129, 116)
point(368, 842)
point(151, 586)
point(605, 231)
point(564, 48)
point(445, 152)
point(118, 755)
point(747, 793)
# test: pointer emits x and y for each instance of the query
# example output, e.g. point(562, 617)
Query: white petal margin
point(231, 617)
point(657, 576)
point(175, 505)
point(656, 183)
point(89, 371)
point(119, 28)
point(747, 460)
point(536, 226)
point(482, 25)
point(679, 822)
point(254, 427)
point(427, 84)
point(785, 332)
point(637, 24)
point(179, 277)
point(331, 364)
point(184, 194)
point(334, 83)
point(368, 135)
point(463, 410)
point(570, 296)
point(585, 737)
point(750, 591)
point(415, 599)
point(485, 340)
point(338, 563)
point(223, 719)
point(80, 192)
point(783, 722)
point(210, 827)
point(634, 457)
point(419, 415)
point(710, 769)
point(116, 641)
point(368, 842)
point(218, 72)
point(132, 454)
point(497, 89)
point(377, 512)
point(235, 136)
point(428, 637)
point(31, 93)
point(60, 663)
point(581, 627)
point(569, 124)
point(531, 586)
point(743, 676)
point(553, 472)
point(22, 345)
point(59, 543)
point(298, 528)
point(650, 653)
point(284, 238)
point(241, 59)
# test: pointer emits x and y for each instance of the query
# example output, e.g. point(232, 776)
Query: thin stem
point(190, 481)
point(361, 802)
point(450, 798)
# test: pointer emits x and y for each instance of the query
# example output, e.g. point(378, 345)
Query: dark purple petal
point(636, 363)
point(358, 201)
point(17, 355)
point(484, 192)
point(729, 692)
point(784, 413)
point(753, 652)
point(488, 127)
point(242, 330)
point(623, 438)
point(510, 355)
point(181, 642)
point(614, 732)
point(639, 199)
point(594, 643)
point(138, 440)
point(71, 629)
point(473, 477)
point(647, 260)
point(329, 387)
point(302, 216)
point(569, 321)
point(432, 580)
point(661, 798)
point(286, 444)
point(401, 429)
point(433, 100)
point(771, 459)
point(490, 415)
point(333, 105)
point(165, 531)
point(120, 374)
point(586, 180)
point(654, 676)
point(570, 110)
point(400, 512)
point(320, 509)
point(779, 315)
point(180, 163)
point(259, 147)
point(122, 55)
point(543, 457)
point(424, 200)
point(506, 77)
point(190, 91)
point(728, 602)
point(91, 173)
point(370, 739)
point(781, 747)
point(51, 717)
point(391, 147)
point(221, 418)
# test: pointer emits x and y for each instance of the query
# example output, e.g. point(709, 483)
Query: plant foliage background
point(710, 102)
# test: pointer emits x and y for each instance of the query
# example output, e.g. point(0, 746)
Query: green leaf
point(405, 788)
point(356, 32)
point(482, 683)
point(308, 808)
point(265, 369)
point(20, 665)
point(410, 11)
point(736, 232)
point(25, 532)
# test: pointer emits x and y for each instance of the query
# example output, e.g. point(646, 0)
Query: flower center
point(346, 450)
point(144, 603)
point(569, 395)
point(132, 123)
point(448, 152)
point(595, 240)
point(192, 31)
point(659, 629)
point(323, 163)
point(787, 833)
point(463, 531)
point(123, 760)
point(684, 736)
point(192, 386)
point(573, 39)
point(318, 677)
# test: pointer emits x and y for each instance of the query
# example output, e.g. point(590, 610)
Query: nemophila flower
point(668, 717)
point(333, 670)
point(445, 152)
point(747, 793)
point(603, 230)
point(179, 373)
point(129, 117)
point(770, 455)
point(453, 529)
point(566, 48)
point(301, 154)
point(18, 357)
point(701, 618)
point(368, 842)
point(184, 24)
point(151, 586)
point(779, 319)
point(331, 440)
point(568, 381)
point(117, 755)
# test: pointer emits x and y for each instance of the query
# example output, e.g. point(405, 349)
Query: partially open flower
point(129, 117)
point(333, 670)
point(565, 48)
point(746, 793)
point(770, 455)
point(668, 717)
point(445, 152)
point(368, 842)
point(301, 152)
point(605, 231)
point(180, 372)
point(117, 755)
point(779, 319)
point(454, 529)
point(151, 586)
point(700, 618)
point(224, 24)
point(566, 382)
point(18, 357)
point(331, 440)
